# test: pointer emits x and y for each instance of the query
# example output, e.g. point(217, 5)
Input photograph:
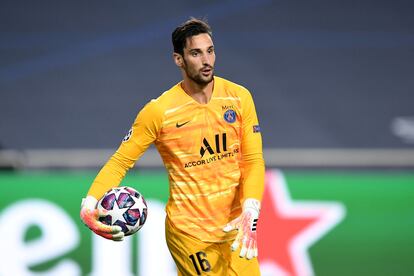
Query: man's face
point(199, 59)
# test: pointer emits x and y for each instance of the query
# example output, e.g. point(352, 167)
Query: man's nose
point(205, 60)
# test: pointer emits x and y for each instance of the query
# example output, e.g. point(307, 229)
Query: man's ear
point(178, 59)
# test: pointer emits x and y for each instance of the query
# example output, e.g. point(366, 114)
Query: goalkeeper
point(207, 133)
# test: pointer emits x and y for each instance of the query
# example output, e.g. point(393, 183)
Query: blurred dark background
point(324, 74)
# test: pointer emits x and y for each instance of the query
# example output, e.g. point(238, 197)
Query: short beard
point(197, 78)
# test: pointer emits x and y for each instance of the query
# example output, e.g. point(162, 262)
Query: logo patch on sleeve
point(129, 134)
point(256, 129)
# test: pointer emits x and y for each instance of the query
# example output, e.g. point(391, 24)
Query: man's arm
point(252, 182)
point(253, 168)
point(143, 132)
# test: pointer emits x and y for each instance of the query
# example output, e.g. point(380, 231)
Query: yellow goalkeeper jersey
point(212, 153)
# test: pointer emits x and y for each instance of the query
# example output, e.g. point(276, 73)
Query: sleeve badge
point(129, 134)
point(256, 129)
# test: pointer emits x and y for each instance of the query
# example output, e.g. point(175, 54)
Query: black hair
point(190, 28)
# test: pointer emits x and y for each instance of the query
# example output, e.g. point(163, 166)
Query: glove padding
point(90, 216)
point(246, 225)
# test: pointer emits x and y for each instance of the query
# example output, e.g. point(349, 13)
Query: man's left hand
point(246, 225)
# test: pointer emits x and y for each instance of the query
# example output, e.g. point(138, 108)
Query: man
point(207, 133)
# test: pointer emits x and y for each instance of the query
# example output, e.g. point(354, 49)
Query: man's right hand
point(90, 216)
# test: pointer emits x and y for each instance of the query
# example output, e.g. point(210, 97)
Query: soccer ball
point(126, 208)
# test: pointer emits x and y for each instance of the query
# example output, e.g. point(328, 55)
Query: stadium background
point(333, 85)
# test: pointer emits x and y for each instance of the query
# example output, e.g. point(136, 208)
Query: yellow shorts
point(194, 257)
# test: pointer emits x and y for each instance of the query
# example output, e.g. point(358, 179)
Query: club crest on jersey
point(230, 116)
point(129, 134)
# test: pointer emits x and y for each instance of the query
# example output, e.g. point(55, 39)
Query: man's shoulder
point(232, 87)
point(165, 100)
point(170, 93)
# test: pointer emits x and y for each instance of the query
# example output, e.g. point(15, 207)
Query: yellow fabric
point(213, 161)
point(194, 257)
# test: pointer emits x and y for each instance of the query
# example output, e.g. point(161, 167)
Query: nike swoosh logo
point(177, 125)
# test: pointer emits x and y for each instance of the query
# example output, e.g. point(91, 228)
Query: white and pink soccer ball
point(126, 208)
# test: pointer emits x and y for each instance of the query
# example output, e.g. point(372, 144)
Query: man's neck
point(200, 93)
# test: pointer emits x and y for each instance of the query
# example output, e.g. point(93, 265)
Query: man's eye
point(194, 54)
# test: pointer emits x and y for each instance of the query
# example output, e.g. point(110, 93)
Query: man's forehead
point(199, 41)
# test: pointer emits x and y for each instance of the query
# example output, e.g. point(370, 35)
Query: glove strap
point(252, 205)
point(89, 202)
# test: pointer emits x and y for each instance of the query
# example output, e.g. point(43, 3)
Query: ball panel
point(124, 200)
point(143, 215)
point(106, 219)
point(133, 192)
point(132, 216)
point(108, 201)
point(122, 225)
